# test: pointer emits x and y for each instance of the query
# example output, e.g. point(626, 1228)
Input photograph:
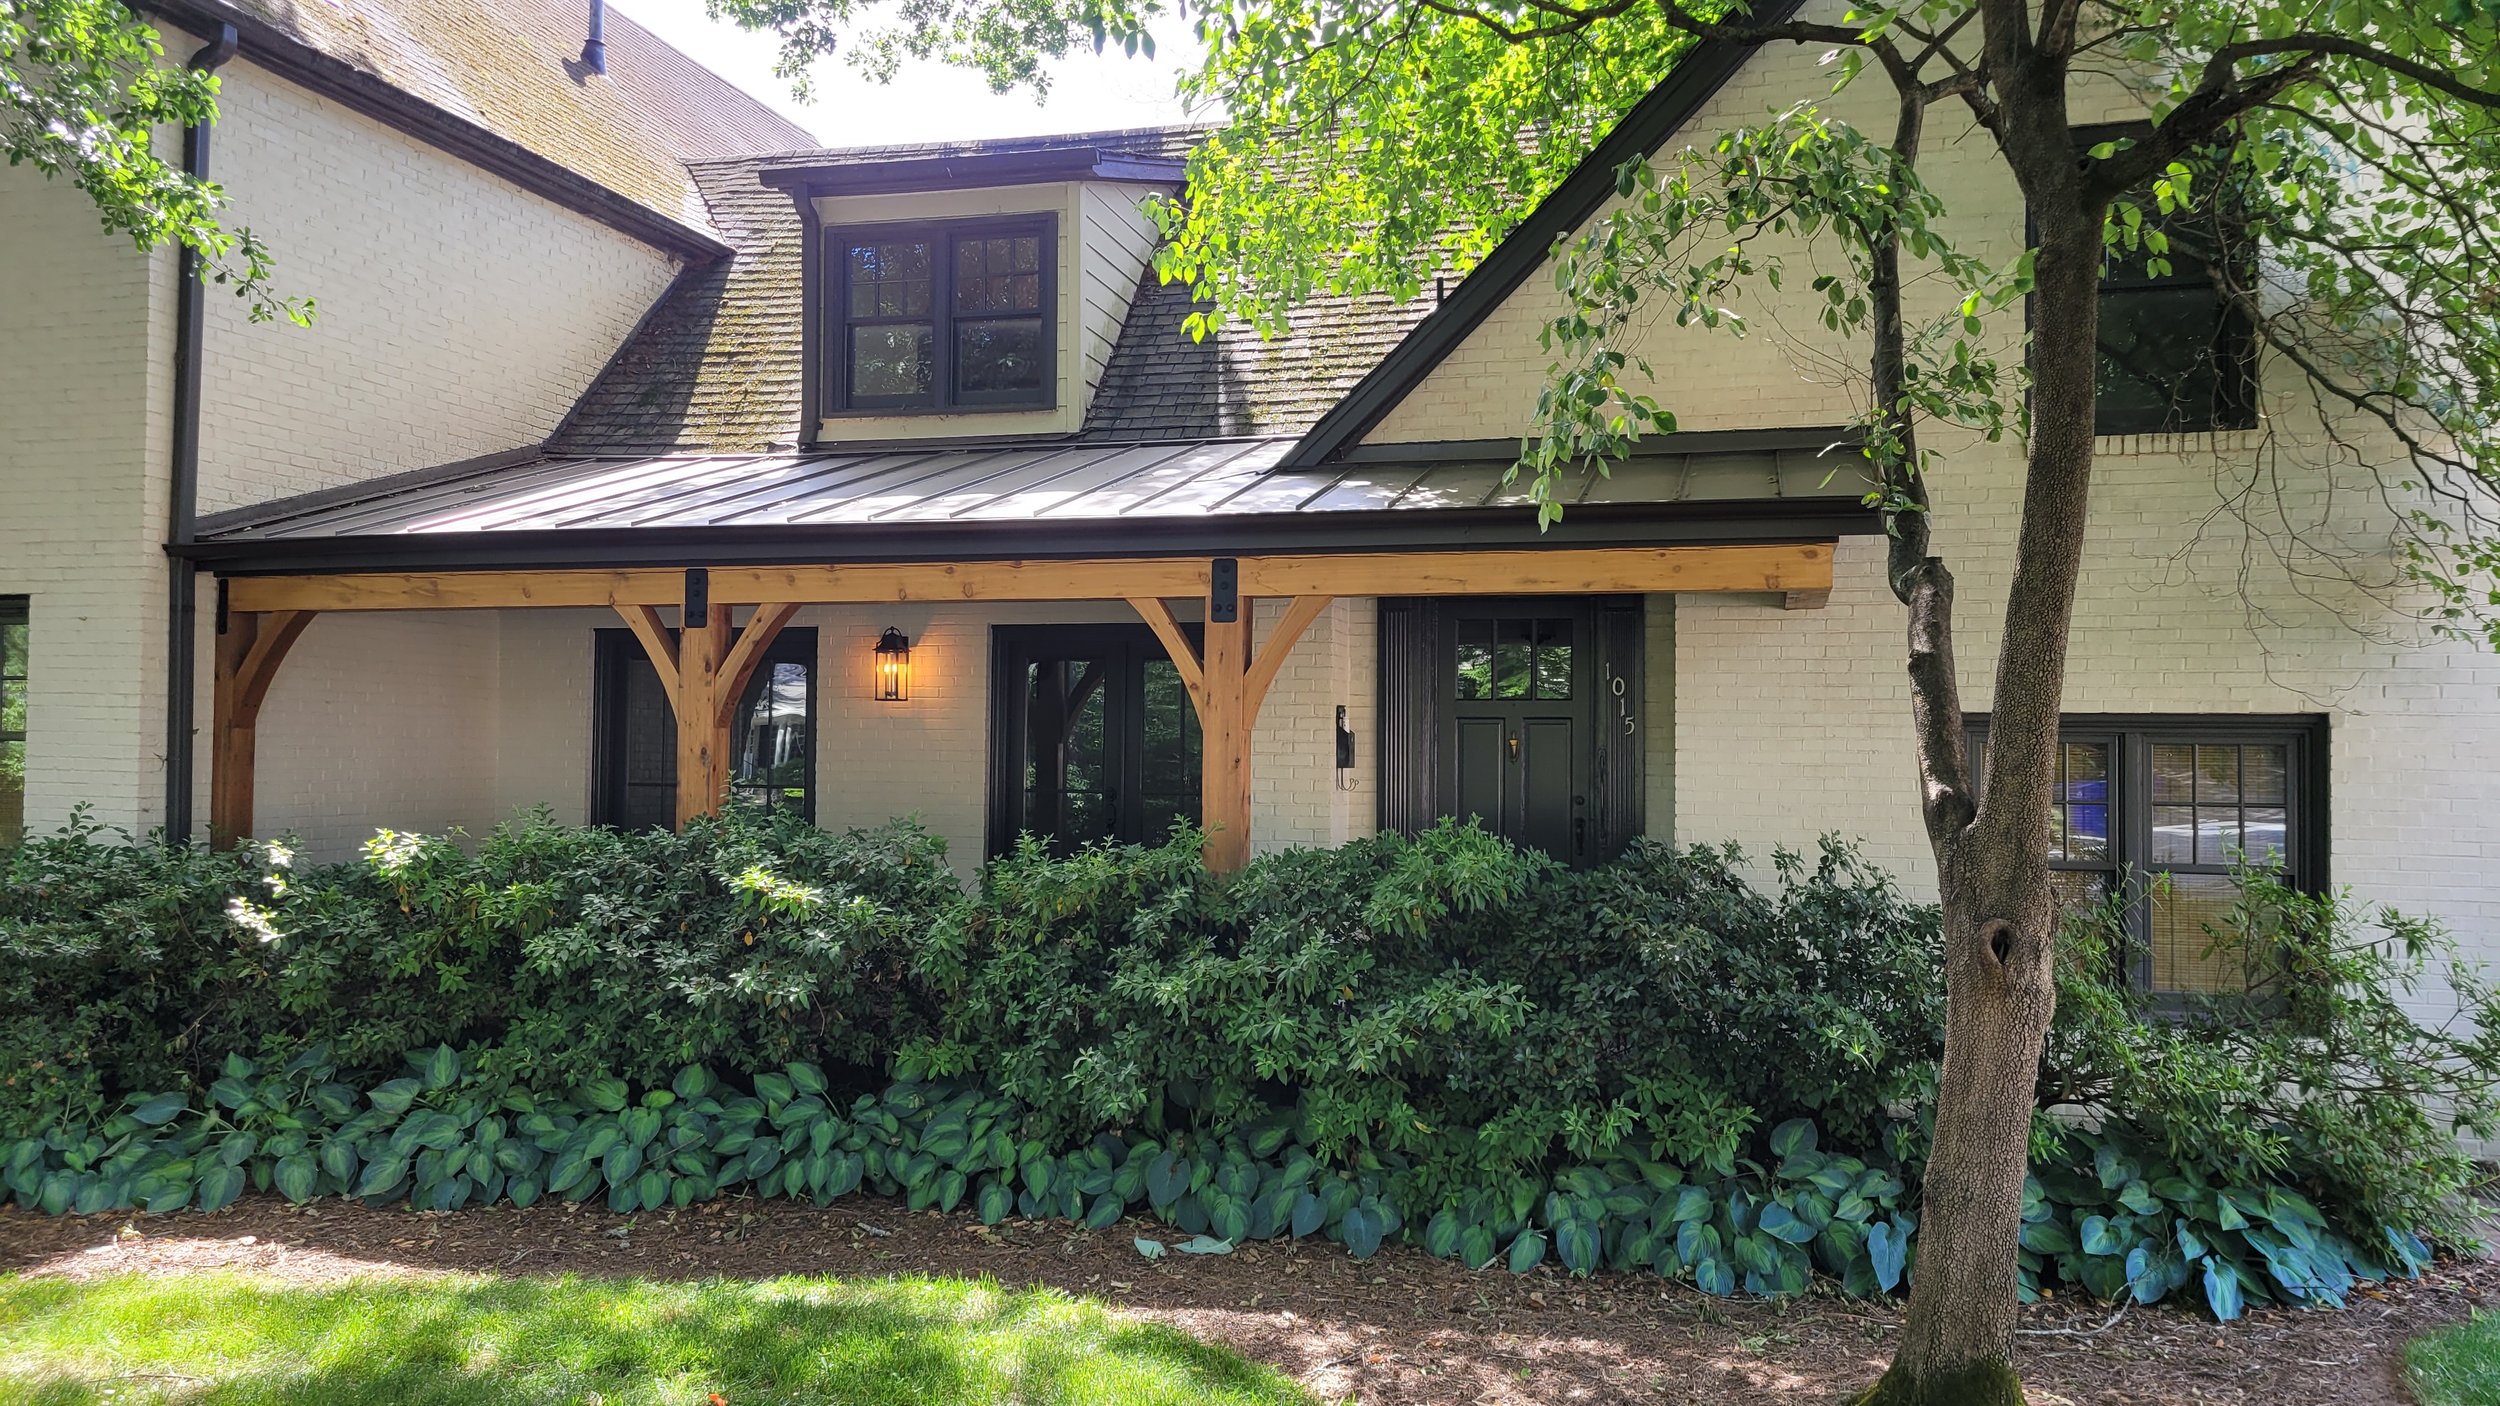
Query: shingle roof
point(513, 67)
point(716, 366)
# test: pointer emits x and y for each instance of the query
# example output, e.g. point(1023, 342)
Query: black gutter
point(1758, 521)
point(374, 96)
point(1652, 120)
point(182, 587)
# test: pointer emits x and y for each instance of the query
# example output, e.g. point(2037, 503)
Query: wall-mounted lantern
point(893, 666)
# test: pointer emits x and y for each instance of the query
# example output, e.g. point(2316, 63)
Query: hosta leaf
point(1781, 1223)
point(1106, 1211)
point(2048, 1237)
point(218, 1186)
point(1151, 1249)
point(1309, 1213)
point(441, 1068)
point(1476, 1246)
point(1361, 1230)
point(1887, 1254)
point(1713, 1276)
point(1792, 1137)
point(1527, 1252)
point(2222, 1289)
point(2100, 1237)
point(1441, 1234)
point(296, 1177)
point(1692, 1203)
point(1576, 1245)
point(159, 1110)
point(1204, 1245)
point(382, 1174)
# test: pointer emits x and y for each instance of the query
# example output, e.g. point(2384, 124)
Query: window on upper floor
point(2176, 357)
point(13, 632)
point(956, 316)
point(2157, 811)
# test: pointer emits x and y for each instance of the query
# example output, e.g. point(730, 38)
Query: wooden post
point(1228, 685)
point(249, 649)
point(705, 673)
point(702, 738)
point(1224, 757)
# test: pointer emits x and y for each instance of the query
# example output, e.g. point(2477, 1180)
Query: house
point(645, 457)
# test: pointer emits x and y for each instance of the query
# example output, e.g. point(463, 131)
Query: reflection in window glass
point(2079, 808)
point(998, 356)
point(889, 280)
point(13, 642)
point(1514, 650)
point(1169, 766)
point(1475, 658)
point(1066, 768)
point(893, 361)
point(768, 745)
point(1553, 659)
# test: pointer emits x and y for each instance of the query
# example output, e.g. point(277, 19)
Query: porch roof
point(1052, 498)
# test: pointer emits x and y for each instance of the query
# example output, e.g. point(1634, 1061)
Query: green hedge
point(1443, 1041)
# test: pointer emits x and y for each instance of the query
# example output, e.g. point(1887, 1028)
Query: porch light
point(893, 666)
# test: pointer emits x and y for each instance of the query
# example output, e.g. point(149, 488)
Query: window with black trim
point(1093, 737)
point(13, 676)
point(2176, 356)
point(2156, 810)
point(956, 316)
point(772, 739)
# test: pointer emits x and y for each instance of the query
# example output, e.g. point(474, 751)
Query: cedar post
point(1227, 686)
point(702, 725)
point(249, 649)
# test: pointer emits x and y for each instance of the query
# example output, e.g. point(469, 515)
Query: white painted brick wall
point(86, 329)
point(381, 719)
point(458, 314)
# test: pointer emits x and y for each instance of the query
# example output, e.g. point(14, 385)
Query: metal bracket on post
point(698, 597)
point(1224, 591)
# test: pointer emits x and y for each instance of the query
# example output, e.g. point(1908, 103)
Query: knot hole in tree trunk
point(1999, 935)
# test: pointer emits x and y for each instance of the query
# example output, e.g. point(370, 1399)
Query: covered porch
point(1222, 564)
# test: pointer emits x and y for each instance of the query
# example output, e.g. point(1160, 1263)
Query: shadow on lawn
point(225, 1340)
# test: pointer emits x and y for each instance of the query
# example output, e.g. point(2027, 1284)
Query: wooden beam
point(1805, 600)
point(1554, 571)
point(1271, 656)
point(1159, 618)
point(702, 735)
point(1224, 742)
point(743, 657)
point(249, 650)
point(656, 642)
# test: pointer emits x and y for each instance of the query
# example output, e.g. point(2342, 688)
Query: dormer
point(967, 293)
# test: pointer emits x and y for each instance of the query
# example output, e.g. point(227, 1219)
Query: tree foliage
point(85, 85)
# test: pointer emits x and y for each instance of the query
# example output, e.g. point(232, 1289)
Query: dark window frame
point(14, 610)
point(834, 319)
point(2131, 737)
point(2234, 346)
point(1011, 650)
point(612, 649)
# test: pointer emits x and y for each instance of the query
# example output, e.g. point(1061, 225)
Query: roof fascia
point(375, 97)
point(1454, 451)
point(1649, 124)
point(930, 173)
point(1717, 522)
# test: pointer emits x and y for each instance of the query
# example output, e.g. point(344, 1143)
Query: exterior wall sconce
point(893, 666)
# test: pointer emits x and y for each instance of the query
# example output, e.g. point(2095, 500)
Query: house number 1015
point(1622, 694)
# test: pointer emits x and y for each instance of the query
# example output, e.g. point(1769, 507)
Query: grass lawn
point(2458, 1366)
point(225, 1340)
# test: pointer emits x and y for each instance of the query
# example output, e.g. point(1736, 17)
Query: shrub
point(2327, 1075)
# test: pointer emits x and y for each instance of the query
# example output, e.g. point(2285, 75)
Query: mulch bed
point(1399, 1330)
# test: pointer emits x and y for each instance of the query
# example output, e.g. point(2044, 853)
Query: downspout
point(182, 593)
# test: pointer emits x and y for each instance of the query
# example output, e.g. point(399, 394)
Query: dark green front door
point(1521, 696)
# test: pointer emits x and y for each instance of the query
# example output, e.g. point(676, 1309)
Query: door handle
point(1514, 746)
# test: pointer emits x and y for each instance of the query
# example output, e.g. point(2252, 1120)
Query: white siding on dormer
point(1120, 242)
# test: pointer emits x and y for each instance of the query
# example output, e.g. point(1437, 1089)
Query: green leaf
point(1441, 1234)
point(218, 1186)
point(1782, 1223)
point(1792, 1137)
point(2048, 1237)
point(158, 1110)
point(296, 1177)
point(441, 1068)
point(1476, 1246)
point(2222, 1290)
point(1527, 1252)
point(1204, 1245)
point(1888, 1253)
point(1151, 1249)
point(1576, 1245)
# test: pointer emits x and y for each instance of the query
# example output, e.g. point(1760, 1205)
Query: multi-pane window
point(1508, 657)
point(2160, 810)
point(13, 640)
point(939, 317)
point(2176, 355)
point(1096, 738)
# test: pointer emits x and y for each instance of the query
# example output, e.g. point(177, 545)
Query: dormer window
point(955, 316)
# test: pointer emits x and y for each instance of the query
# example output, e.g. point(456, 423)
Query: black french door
point(1093, 737)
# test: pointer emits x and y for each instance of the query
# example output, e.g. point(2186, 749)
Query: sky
point(926, 102)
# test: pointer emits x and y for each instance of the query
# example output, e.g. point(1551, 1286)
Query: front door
point(1520, 704)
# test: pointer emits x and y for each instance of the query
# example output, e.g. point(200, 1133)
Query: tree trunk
point(1992, 867)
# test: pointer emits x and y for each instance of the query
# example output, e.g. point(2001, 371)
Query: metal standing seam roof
point(1038, 483)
